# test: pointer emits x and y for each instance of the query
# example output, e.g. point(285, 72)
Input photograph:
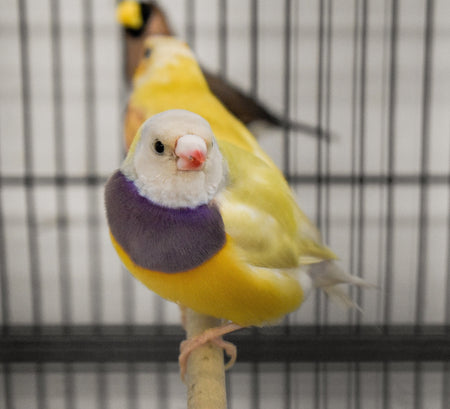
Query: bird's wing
point(262, 217)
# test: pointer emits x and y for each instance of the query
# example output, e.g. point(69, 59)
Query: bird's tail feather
point(328, 276)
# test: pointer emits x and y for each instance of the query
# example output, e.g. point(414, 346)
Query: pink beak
point(191, 151)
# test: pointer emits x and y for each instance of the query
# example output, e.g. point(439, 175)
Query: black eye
point(147, 52)
point(159, 147)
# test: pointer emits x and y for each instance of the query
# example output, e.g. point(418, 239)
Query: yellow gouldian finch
point(200, 214)
point(142, 19)
point(212, 225)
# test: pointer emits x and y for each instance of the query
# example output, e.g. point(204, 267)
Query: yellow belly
point(225, 287)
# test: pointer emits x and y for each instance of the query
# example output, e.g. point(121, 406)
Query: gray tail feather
point(327, 276)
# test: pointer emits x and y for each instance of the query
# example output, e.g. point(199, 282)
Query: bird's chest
point(159, 238)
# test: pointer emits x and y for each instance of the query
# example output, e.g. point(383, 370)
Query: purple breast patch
point(160, 238)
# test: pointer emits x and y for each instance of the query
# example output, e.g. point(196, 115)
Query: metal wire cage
point(78, 331)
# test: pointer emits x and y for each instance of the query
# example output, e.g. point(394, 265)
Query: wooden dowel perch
point(205, 373)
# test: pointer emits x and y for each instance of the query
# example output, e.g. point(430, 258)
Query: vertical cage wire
point(372, 74)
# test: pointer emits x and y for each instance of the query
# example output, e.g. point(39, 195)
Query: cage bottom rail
point(160, 343)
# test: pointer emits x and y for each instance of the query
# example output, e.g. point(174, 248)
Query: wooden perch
point(205, 373)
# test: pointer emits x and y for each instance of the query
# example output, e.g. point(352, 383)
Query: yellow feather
point(128, 13)
point(261, 214)
point(225, 287)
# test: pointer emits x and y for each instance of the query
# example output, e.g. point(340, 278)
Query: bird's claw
point(213, 335)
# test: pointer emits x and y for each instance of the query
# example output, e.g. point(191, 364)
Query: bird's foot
point(213, 335)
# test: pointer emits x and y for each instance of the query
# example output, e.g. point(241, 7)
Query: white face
point(177, 162)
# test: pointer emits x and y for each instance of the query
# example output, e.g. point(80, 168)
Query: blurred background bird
point(200, 214)
point(143, 19)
